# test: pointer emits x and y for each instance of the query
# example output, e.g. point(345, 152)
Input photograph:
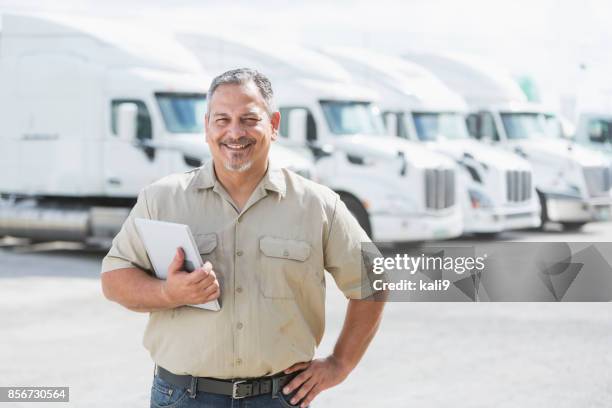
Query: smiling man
point(268, 236)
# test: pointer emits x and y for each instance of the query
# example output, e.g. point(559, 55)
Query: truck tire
point(573, 226)
point(358, 211)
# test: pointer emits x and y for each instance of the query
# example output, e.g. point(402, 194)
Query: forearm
point(134, 289)
point(360, 325)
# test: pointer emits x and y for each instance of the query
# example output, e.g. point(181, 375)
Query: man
point(267, 235)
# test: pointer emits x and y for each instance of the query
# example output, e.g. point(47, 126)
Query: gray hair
point(243, 76)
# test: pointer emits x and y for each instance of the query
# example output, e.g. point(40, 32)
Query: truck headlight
point(573, 189)
point(479, 200)
point(570, 190)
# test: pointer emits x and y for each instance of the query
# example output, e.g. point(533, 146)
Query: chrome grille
point(598, 181)
point(518, 186)
point(439, 188)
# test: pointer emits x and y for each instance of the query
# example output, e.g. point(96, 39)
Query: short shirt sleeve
point(344, 258)
point(127, 250)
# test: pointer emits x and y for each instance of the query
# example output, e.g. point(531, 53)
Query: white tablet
point(161, 239)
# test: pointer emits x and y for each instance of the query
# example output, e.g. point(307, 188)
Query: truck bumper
point(416, 227)
point(569, 209)
point(498, 219)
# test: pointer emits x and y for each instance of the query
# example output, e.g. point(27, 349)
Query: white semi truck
point(92, 112)
point(594, 129)
point(398, 190)
point(497, 191)
point(572, 182)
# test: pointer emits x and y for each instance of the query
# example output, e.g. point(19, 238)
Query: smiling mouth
point(236, 147)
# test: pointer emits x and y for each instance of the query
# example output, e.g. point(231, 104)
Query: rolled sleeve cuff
point(110, 263)
point(359, 292)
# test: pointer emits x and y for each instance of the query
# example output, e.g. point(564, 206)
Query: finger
point(303, 391)
point(196, 276)
point(209, 291)
point(297, 381)
point(205, 297)
point(177, 262)
point(215, 295)
point(297, 367)
point(311, 396)
point(205, 281)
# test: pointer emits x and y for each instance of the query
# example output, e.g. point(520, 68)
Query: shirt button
point(239, 326)
point(239, 253)
point(239, 289)
point(238, 361)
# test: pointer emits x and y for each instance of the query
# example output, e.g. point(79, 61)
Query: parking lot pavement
point(57, 329)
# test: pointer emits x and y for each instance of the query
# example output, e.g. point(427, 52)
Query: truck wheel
point(360, 213)
point(573, 226)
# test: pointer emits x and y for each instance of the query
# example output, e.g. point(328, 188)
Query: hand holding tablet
point(188, 280)
point(182, 287)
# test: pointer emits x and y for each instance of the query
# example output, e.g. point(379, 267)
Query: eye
point(222, 121)
point(251, 121)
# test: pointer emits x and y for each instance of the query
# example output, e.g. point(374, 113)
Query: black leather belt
point(237, 389)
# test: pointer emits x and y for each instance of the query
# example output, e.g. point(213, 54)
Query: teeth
point(237, 146)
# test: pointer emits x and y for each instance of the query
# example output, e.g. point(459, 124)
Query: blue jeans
point(165, 395)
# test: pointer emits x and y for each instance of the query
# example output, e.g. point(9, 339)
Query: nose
point(236, 129)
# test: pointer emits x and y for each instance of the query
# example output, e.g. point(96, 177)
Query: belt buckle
point(235, 390)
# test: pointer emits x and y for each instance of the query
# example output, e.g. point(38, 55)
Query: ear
point(275, 122)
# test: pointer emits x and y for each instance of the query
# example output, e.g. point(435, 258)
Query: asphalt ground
point(58, 330)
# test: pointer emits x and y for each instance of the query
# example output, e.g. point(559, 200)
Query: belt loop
point(275, 382)
point(193, 387)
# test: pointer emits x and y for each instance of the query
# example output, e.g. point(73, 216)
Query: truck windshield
point(351, 117)
point(553, 126)
point(436, 126)
point(523, 125)
point(182, 113)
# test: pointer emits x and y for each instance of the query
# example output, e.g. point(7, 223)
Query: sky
point(564, 45)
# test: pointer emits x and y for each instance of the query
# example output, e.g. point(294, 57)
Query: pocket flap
point(206, 242)
point(284, 248)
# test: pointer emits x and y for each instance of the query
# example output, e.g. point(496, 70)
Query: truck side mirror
point(127, 121)
point(321, 151)
point(297, 125)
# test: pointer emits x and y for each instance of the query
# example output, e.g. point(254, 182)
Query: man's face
point(239, 130)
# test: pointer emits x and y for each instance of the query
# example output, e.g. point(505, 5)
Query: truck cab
point(572, 182)
point(496, 190)
point(93, 112)
point(398, 190)
point(594, 130)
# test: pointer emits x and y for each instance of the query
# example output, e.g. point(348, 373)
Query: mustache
point(241, 140)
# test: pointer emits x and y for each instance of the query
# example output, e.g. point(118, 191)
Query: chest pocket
point(206, 244)
point(284, 266)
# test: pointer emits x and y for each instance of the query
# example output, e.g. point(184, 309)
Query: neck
point(240, 184)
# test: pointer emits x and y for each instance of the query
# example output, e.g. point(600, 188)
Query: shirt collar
point(273, 180)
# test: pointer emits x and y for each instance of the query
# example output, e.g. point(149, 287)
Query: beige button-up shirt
point(270, 260)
